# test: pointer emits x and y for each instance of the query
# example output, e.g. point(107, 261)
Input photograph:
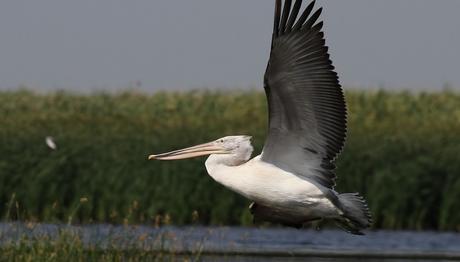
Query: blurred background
point(109, 82)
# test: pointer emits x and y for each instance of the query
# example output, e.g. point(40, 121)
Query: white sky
point(111, 44)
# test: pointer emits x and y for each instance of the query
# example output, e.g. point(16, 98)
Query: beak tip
point(152, 157)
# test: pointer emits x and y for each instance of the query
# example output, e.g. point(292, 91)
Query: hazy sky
point(89, 44)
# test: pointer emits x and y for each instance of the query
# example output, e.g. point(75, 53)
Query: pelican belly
point(277, 189)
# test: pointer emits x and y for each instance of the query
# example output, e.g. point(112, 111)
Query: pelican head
point(230, 146)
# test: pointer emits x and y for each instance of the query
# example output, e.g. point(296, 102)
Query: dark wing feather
point(284, 18)
point(307, 110)
point(293, 16)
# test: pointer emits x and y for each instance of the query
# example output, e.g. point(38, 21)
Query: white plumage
point(50, 143)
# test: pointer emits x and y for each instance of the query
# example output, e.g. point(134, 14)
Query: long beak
point(190, 152)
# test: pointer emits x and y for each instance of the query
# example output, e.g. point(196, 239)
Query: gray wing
point(307, 110)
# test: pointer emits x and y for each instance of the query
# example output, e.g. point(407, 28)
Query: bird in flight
point(49, 140)
point(292, 181)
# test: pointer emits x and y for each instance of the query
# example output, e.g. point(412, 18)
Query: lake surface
point(250, 244)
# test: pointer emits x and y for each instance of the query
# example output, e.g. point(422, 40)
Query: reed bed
point(402, 153)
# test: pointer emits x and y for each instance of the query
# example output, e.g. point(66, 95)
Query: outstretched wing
point(307, 110)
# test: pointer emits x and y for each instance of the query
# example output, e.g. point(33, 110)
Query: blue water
point(252, 244)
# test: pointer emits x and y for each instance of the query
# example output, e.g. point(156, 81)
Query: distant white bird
point(50, 142)
point(292, 181)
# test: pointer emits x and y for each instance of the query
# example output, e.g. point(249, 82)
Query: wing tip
point(285, 17)
point(311, 22)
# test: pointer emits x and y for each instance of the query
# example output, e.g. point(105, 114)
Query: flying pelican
point(292, 181)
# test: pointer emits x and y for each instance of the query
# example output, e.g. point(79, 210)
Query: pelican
point(292, 181)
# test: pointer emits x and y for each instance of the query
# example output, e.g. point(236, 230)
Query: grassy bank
point(402, 154)
point(68, 245)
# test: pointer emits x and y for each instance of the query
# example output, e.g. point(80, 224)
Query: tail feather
point(356, 215)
